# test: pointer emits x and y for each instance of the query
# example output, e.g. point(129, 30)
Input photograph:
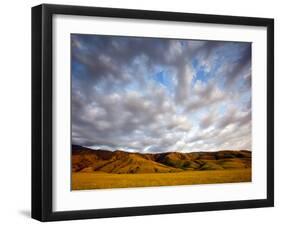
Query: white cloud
point(118, 102)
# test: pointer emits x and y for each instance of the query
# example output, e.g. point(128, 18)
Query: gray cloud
point(122, 98)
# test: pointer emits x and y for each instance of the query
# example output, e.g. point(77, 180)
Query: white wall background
point(15, 113)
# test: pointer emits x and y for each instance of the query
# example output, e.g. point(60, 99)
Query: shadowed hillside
point(121, 162)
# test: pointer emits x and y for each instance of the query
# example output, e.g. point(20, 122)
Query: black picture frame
point(42, 107)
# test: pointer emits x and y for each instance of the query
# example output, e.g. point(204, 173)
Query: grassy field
point(86, 181)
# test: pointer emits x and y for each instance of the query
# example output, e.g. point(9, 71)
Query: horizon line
point(139, 152)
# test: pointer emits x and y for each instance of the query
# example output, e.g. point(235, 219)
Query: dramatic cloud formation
point(156, 95)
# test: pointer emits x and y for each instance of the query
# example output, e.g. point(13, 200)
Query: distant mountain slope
point(121, 162)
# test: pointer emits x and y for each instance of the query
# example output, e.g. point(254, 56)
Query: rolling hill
point(121, 162)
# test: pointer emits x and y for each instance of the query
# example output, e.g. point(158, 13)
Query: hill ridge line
point(92, 160)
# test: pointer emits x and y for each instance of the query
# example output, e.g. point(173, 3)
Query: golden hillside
point(121, 162)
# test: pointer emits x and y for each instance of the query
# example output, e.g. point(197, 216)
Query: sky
point(154, 95)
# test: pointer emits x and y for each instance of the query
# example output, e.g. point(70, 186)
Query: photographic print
point(129, 106)
point(159, 112)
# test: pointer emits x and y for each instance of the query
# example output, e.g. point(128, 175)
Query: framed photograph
point(145, 112)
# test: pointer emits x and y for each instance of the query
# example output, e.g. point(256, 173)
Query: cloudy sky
point(156, 95)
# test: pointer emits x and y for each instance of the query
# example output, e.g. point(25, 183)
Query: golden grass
point(95, 180)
